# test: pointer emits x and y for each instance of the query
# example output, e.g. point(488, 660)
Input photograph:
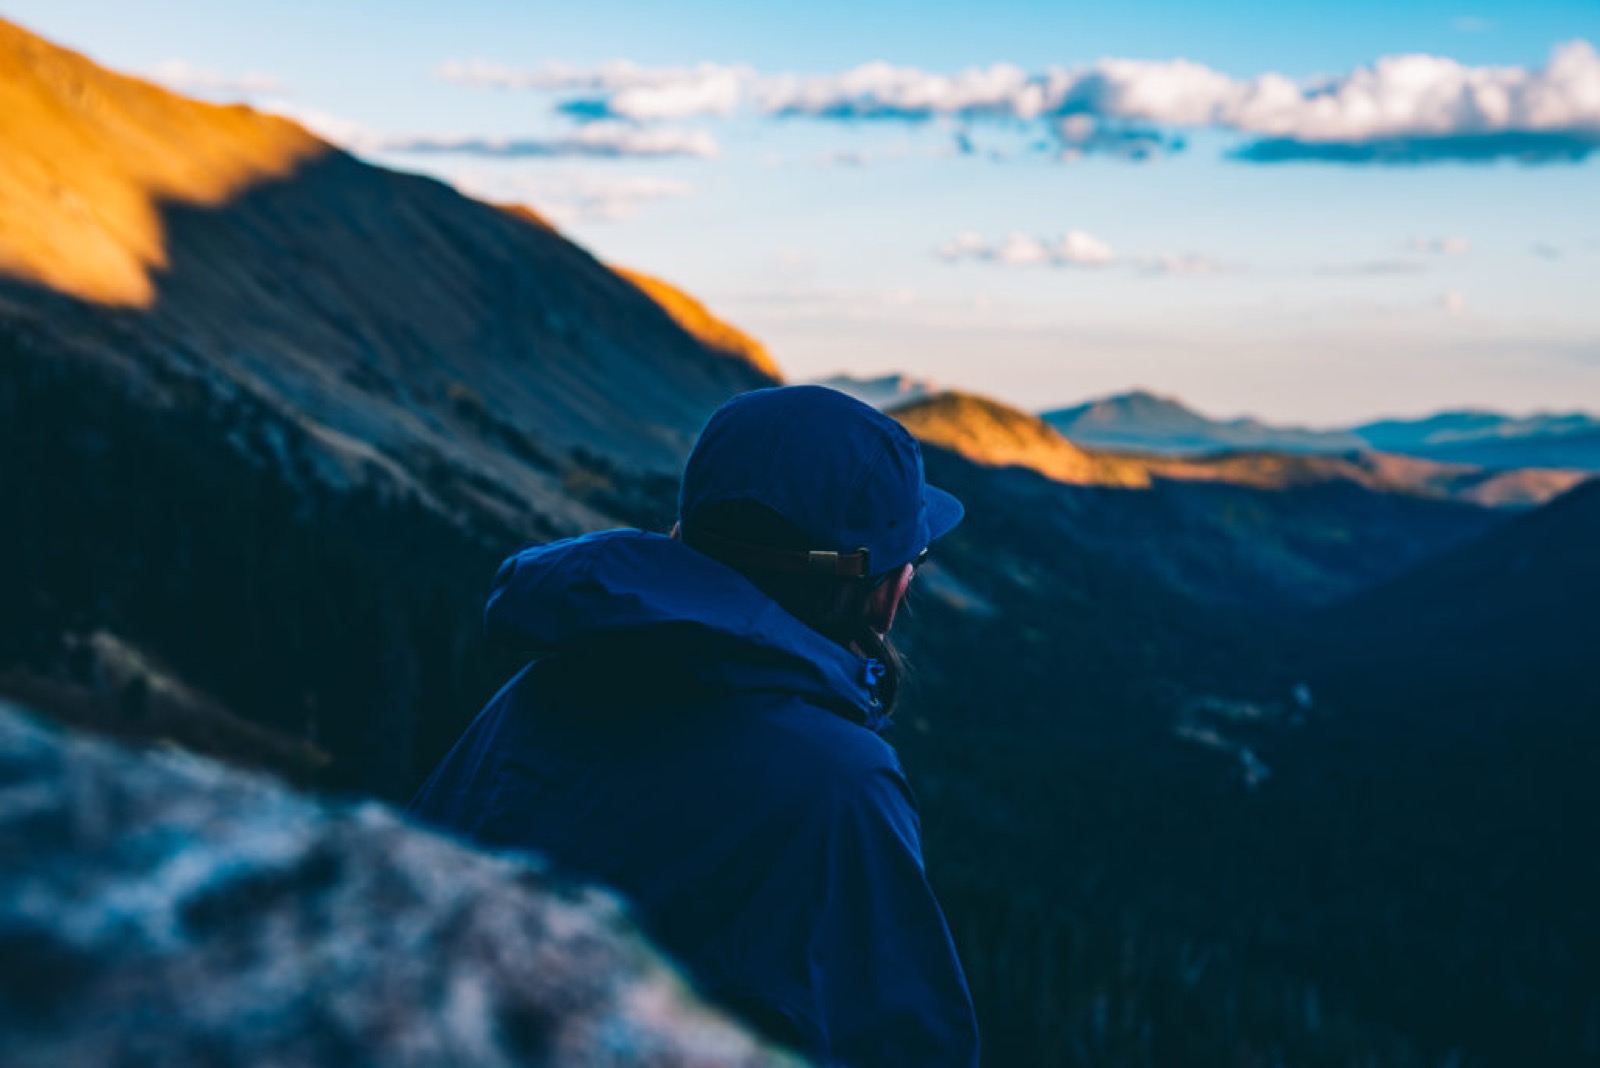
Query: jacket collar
point(619, 585)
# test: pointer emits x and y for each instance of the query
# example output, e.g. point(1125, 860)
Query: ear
point(886, 599)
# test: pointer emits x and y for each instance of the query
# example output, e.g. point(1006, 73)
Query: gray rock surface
point(161, 909)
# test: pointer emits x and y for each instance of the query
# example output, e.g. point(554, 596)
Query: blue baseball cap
point(841, 471)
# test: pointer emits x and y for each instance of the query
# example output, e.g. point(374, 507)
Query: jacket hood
point(633, 588)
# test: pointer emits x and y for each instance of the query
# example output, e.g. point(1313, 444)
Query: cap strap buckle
point(832, 564)
point(820, 562)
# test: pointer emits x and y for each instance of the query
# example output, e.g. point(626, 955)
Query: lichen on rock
point(159, 908)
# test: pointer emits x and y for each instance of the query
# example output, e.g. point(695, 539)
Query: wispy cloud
point(619, 90)
point(1181, 263)
point(573, 198)
point(1074, 248)
point(1471, 24)
point(186, 77)
point(595, 140)
point(334, 129)
point(1453, 303)
point(1439, 246)
point(1401, 109)
point(592, 141)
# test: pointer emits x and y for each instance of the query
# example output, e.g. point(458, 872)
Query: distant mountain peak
point(884, 392)
point(1140, 397)
point(1146, 421)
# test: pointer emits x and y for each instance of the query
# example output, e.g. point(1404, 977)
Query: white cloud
point(1439, 246)
point(1401, 109)
point(572, 198)
point(880, 90)
point(1398, 96)
point(1471, 24)
point(1074, 248)
point(186, 77)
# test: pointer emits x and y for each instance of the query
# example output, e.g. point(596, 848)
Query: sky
point(1311, 213)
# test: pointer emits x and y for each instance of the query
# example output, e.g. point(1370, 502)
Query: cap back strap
point(821, 562)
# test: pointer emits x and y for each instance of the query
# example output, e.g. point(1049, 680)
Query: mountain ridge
point(992, 433)
point(84, 182)
point(367, 305)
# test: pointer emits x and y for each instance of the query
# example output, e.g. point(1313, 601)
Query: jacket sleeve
point(887, 986)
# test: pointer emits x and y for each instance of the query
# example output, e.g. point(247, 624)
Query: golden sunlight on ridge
point(699, 322)
point(82, 181)
point(988, 432)
point(991, 433)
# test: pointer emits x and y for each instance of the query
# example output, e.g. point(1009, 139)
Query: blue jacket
point(686, 741)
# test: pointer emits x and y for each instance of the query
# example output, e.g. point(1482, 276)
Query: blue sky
point(1065, 226)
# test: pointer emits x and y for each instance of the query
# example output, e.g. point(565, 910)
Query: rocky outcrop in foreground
point(157, 908)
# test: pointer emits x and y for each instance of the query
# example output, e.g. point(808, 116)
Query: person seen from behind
point(698, 728)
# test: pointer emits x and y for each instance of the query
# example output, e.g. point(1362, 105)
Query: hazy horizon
point(1221, 415)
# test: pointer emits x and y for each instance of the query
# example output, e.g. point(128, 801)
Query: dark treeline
point(349, 618)
point(1119, 898)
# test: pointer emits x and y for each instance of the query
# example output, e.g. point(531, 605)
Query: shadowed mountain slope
point(1492, 439)
point(1565, 448)
point(1515, 609)
point(409, 330)
point(1236, 530)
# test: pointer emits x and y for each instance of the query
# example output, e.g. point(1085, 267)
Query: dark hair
point(836, 608)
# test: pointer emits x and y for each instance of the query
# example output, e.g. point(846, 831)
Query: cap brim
point(944, 511)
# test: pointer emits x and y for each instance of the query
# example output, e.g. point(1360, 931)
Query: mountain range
point(989, 432)
point(285, 410)
point(1141, 421)
point(1147, 422)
